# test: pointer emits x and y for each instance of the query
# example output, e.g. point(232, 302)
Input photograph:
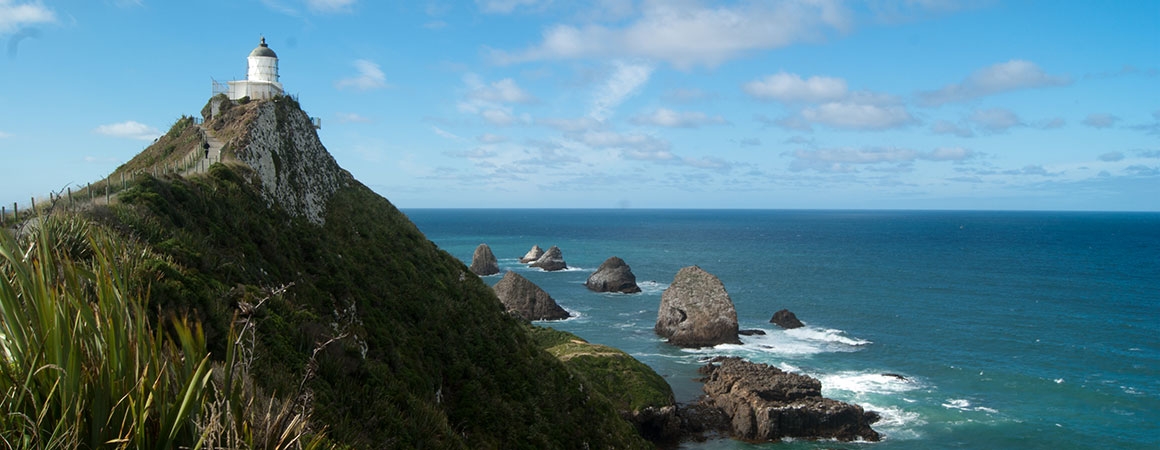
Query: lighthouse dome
point(263, 50)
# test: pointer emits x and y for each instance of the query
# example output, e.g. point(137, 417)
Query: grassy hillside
point(421, 353)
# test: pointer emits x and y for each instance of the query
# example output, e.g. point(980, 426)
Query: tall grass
point(81, 366)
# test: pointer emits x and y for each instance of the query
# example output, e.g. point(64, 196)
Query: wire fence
point(102, 191)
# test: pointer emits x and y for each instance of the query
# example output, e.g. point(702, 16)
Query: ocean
point(1012, 329)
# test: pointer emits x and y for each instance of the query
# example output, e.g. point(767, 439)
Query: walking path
point(214, 153)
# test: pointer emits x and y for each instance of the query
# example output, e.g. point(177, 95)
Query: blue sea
point(1012, 329)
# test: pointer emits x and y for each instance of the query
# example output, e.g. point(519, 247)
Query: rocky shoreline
point(742, 400)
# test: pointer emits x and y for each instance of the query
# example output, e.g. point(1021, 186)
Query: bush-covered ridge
point(421, 353)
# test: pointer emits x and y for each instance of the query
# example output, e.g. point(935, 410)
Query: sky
point(815, 104)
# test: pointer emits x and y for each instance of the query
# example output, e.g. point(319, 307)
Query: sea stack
point(613, 276)
point(552, 260)
point(532, 255)
point(786, 319)
point(521, 296)
point(483, 262)
point(696, 311)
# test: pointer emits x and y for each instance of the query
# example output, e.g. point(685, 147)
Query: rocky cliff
point(278, 141)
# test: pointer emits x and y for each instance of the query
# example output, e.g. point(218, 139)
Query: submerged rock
point(521, 296)
point(552, 260)
point(763, 403)
point(786, 319)
point(696, 311)
point(532, 255)
point(483, 262)
point(614, 275)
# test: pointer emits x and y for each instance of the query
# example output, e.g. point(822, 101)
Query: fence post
point(33, 205)
point(2, 214)
point(70, 196)
point(106, 193)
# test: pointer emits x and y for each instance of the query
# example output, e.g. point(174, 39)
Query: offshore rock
point(614, 275)
point(522, 297)
point(763, 403)
point(786, 319)
point(483, 262)
point(532, 255)
point(696, 311)
point(552, 260)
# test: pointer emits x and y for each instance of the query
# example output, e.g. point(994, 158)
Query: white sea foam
point(895, 422)
point(826, 335)
point(652, 287)
point(866, 383)
point(965, 405)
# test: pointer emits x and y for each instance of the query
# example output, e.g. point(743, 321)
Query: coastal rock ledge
point(696, 311)
point(613, 276)
point(522, 297)
point(483, 262)
point(763, 403)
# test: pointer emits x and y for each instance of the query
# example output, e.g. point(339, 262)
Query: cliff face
point(420, 352)
point(282, 147)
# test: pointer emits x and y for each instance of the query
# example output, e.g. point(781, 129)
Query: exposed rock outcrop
point(786, 319)
point(532, 255)
point(614, 275)
point(763, 403)
point(483, 262)
point(696, 311)
point(521, 296)
point(283, 148)
point(552, 260)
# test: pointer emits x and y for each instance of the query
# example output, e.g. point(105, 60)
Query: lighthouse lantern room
point(261, 76)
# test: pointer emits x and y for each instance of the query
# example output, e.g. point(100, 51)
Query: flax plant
point(80, 364)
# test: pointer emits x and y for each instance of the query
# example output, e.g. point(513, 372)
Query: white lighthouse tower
point(261, 76)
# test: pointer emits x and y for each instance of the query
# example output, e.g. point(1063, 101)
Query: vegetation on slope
point(421, 354)
point(83, 366)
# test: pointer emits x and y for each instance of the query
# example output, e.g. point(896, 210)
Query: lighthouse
point(261, 75)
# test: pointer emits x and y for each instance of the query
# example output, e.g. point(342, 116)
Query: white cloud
point(571, 125)
point(956, 154)
point(664, 117)
point(502, 91)
point(1112, 156)
point(498, 117)
point(995, 120)
point(688, 33)
point(857, 116)
point(626, 80)
point(15, 16)
point(998, 78)
point(1100, 120)
point(947, 127)
point(488, 138)
point(788, 87)
point(447, 134)
point(331, 6)
point(502, 6)
point(1051, 124)
point(845, 160)
point(129, 129)
point(369, 77)
point(4, 135)
point(351, 118)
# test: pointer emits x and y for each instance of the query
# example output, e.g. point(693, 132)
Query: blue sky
point(923, 104)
